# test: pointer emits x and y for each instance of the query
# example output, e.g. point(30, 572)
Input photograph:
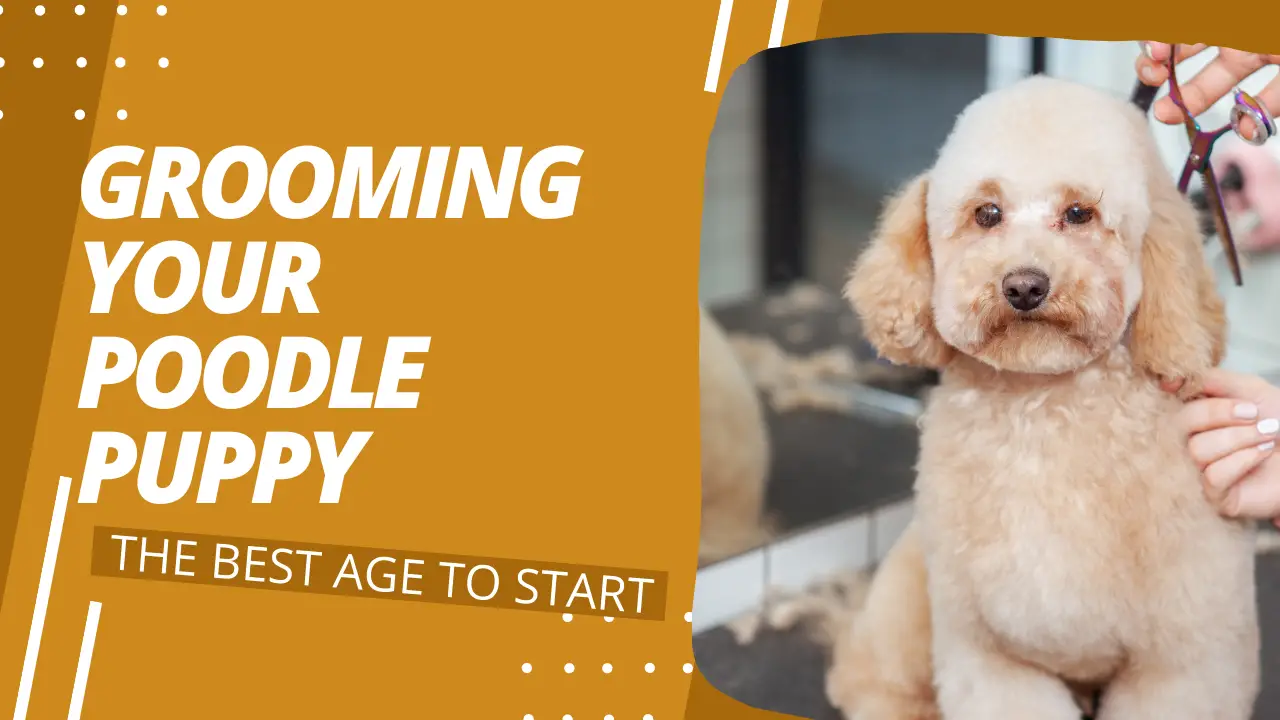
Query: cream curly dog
point(1049, 267)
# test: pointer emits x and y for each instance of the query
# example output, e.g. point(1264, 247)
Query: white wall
point(1008, 60)
point(1104, 65)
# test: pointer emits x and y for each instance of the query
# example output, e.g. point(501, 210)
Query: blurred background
point(808, 441)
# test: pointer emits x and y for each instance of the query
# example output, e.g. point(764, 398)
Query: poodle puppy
point(1047, 265)
point(735, 449)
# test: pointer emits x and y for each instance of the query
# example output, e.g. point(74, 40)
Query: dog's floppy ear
point(891, 286)
point(1179, 327)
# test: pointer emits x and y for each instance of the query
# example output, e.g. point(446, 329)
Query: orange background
point(558, 416)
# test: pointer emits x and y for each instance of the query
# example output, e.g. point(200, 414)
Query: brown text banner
point(378, 573)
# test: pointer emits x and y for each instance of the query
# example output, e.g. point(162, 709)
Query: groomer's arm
point(1231, 433)
point(1209, 85)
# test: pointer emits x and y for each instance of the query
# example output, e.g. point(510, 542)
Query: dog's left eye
point(988, 216)
point(1078, 215)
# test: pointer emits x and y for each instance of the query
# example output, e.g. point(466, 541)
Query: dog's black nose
point(1025, 289)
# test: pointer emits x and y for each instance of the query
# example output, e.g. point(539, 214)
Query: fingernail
point(1246, 411)
point(1270, 426)
point(1146, 49)
point(1267, 447)
point(1149, 74)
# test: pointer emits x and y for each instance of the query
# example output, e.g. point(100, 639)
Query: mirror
point(808, 142)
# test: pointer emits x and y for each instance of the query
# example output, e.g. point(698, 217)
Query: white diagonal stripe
point(717, 46)
point(779, 21)
point(42, 598)
point(86, 659)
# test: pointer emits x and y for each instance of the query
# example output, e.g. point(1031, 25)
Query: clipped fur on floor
point(823, 610)
point(820, 380)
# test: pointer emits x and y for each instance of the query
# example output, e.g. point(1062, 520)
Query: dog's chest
point(1054, 509)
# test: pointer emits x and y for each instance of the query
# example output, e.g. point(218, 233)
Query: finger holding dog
point(1214, 413)
point(1256, 494)
point(1228, 455)
point(1231, 435)
point(1228, 384)
point(1213, 445)
point(1221, 481)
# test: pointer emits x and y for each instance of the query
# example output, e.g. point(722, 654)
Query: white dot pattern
point(161, 10)
point(648, 667)
point(121, 114)
point(38, 62)
point(79, 114)
point(81, 62)
point(79, 9)
point(526, 668)
point(119, 62)
point(122, 10)
point(164, 62)
point(568, 667)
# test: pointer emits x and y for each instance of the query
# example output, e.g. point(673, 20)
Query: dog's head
point(1047, 228)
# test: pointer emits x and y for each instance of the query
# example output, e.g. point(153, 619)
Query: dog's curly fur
point(1061, 542)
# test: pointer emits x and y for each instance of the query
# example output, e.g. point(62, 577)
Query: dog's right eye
point(987, 216)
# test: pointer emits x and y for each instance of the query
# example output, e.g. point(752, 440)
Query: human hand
point(1231, 434)
point(1209, 85)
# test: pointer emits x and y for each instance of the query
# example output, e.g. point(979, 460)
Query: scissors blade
point(1220, 221)
point(1195, 160)
point(1185, 179)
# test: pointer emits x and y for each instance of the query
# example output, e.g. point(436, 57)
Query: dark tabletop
point(785, 671)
